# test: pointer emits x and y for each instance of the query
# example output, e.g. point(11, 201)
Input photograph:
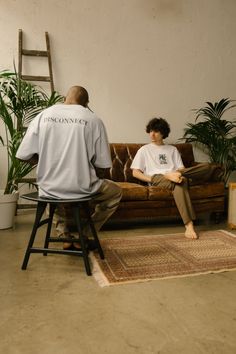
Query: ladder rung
point(35, 53)
point(26, 206)
point(36, 78)
point(26, 180)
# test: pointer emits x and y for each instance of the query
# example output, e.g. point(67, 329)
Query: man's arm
point(174, 176)
point(141, 176)
point(102, 172)
point(33, 160)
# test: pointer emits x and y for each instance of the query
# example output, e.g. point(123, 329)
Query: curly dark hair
point(158, 125)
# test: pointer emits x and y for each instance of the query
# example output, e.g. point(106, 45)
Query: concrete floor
point(53, 307)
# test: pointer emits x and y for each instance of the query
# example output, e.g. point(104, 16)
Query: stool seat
point(36, 198)
point(77, 205)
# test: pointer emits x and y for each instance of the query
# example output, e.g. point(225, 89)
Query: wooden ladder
point(48, 79)
point(35, 53)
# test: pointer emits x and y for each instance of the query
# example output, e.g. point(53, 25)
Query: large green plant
point(214, 135)
point(20, 102)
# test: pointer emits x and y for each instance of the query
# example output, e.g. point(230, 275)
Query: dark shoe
point(92, 245)
point(68, 246)
point(77, 246)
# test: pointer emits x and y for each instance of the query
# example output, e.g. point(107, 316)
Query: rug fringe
point(171, 277)
point(97, 272)
point(228, 233)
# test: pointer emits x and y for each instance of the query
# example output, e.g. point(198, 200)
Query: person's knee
point(118, 191)
point(184, 181)
point(115, 196)
point(111, 194)
point(114, 190)
point(207, 166)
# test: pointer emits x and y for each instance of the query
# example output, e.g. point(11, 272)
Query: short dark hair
point(83, 96)
point(77, 95)
point(158, 125)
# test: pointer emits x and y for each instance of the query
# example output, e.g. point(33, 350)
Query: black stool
point(77, 206)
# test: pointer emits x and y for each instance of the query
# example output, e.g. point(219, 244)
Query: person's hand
point(175, 176)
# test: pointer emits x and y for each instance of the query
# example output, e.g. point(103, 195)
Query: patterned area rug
point(143, 258)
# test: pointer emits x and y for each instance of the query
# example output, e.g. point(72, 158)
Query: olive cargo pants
point(106, 201)
point(180, 191)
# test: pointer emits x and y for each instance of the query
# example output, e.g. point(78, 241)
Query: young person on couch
point(161, 165)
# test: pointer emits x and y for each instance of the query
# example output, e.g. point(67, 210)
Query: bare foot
point(190, 232)
point(193, 235)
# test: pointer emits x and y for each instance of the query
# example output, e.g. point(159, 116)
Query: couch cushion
point(202, 191)
point(133, 191)
point(157, 193)
point(207, 190)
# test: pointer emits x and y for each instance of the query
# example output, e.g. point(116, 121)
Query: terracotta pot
point(7, 209)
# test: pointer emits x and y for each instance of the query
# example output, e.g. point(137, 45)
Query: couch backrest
point(122, 156)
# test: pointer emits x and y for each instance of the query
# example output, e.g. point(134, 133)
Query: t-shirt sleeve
point(102, 157)
point(178, 160)
point(29, 144)
point(138, 161)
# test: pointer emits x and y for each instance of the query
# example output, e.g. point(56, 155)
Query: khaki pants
point(105, 201)
point(180, 191)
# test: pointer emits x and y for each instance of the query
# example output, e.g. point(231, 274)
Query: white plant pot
point(7, 209)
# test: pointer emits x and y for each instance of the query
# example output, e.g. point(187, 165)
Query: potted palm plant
point(20, 102)
point(214, 135)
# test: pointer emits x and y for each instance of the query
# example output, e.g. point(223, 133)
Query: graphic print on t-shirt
point(162, 159)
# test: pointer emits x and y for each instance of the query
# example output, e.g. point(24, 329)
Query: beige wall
point(137, 58)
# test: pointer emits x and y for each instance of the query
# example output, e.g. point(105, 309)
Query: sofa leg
point(217, 217)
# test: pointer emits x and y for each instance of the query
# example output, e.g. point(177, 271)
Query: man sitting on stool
point(71, 143)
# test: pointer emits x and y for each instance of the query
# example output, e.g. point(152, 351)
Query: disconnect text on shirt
point(65, 120)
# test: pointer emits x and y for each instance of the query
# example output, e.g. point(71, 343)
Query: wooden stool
point(77, 206)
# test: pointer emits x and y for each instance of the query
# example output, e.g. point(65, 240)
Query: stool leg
point(39, 213)
point(77, 217)
point(94, 232)
point(52, 207)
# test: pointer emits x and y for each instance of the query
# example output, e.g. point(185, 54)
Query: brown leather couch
point(141, 201)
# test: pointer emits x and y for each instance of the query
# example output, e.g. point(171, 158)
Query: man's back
point(70, 140)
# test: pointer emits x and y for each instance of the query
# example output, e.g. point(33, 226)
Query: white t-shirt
point(70, 140)
point(157, 159)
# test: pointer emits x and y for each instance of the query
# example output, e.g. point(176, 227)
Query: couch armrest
point(218, 171)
